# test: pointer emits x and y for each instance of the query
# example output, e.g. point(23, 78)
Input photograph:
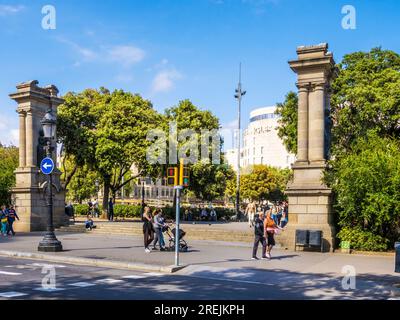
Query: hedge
point(133, 211)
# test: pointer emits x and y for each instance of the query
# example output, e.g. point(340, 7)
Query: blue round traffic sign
point(47, 166)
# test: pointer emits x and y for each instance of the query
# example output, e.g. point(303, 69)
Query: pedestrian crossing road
point(27, 279)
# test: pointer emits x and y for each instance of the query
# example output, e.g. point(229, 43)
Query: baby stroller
point(183, 246)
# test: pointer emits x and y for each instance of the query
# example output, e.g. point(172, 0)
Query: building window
point(254, 151)
point(262, 160)
point(262, 150)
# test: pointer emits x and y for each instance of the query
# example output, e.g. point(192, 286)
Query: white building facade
point(261, 143)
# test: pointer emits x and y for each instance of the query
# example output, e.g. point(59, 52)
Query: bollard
point(397, 260)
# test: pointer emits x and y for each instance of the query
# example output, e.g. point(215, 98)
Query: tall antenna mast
point(238, 95)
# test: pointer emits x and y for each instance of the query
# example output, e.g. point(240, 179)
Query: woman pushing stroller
point(159, 227)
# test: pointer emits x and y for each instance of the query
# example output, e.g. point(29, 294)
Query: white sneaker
point(268, 255)
point(147, 250)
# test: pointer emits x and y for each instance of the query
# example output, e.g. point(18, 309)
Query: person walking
point(259, 237)
point(12, 215)
point(4, 220)
point(250, 212)
point(270, 228)
point(148, 230)
point(111, 210)
point(158, 225)
point(96, 208)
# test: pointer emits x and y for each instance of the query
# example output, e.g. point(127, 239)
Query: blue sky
point(169, 50)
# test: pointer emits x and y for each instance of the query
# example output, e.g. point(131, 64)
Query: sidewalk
point(129, 249)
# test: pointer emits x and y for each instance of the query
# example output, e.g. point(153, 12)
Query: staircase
point(193, 232)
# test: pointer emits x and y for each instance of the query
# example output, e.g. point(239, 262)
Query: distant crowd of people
point(279, 212)
point(206, 214)
point(8, 215)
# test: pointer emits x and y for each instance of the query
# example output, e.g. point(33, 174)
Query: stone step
point(192, 233)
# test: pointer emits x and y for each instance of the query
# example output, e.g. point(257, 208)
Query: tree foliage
point(207, 181)
point(365, 98)
point(287, 129)
point(367, 183)
point(106, 132)
point(8, 164)
point(264, 182)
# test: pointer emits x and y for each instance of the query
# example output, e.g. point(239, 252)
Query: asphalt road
point(30, 279)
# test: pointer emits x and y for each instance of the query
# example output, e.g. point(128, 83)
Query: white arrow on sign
point(47, 165)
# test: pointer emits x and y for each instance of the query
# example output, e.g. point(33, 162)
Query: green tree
point(8, 164)
point(262, 182)
point(207, 181)
point(287, 129)
point(111, 130)
point(77, 119)
point(365, 98)
point(367, 183)
point(82, 185)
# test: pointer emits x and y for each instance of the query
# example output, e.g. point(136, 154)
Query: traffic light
point(172, 176)
point(185, 181)
point(183, 174)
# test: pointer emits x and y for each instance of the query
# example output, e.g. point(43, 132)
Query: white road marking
point(49, 289)
point(47, 265)
point(154, 274)
point(109, 281)
point(12, 294)
point(134, 277)
point(82, 284)
point(10, 273)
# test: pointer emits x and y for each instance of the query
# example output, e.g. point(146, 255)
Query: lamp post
point(238, 95)
point(49, 242)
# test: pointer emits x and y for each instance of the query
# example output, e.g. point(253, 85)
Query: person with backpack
point(259, 237)
point(4, 220)
point(12, 215)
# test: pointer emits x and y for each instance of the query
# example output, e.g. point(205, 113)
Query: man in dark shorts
point(259, 237)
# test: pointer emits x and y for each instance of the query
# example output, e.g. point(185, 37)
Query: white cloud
point(164, 81)
point(126, 55)
point(85, 53)
point(10, 9)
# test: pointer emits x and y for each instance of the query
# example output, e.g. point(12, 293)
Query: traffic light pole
point(177, 222)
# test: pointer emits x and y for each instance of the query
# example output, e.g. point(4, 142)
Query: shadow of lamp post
point(49, 243)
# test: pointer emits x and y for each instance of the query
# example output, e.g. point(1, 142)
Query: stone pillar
point(22, 137)
point(310, 202)
point(316, 120)
point(302, 136)
point(29, 140)
point(28, 194)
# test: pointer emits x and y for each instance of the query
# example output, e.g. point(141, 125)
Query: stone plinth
point(310, 200)
point(29, 196)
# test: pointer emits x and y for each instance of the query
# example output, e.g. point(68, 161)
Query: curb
point(92, 262)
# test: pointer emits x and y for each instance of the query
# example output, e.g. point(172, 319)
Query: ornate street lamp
point(49, 242)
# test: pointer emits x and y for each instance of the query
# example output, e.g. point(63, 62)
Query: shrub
point(127, 211)
point(363, 239)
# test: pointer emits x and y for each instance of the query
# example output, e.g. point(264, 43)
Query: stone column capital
point(303, 87)
point(319, 86)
